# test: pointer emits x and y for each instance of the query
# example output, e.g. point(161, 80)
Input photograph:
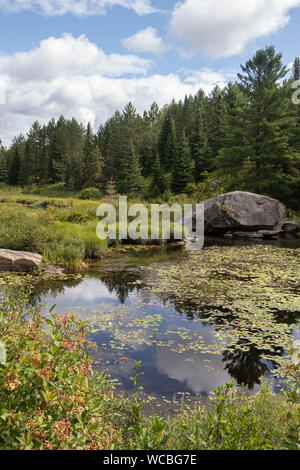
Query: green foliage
point(25, 232)
point(257, 148)
point(182, 173)
point(63, 235)
point(200, 150)
point(90, 193)
point(50, 398)
point(14, 170)
point(167, 144)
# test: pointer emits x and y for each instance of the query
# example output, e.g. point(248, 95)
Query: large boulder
point(11, 260)
point(243, 212)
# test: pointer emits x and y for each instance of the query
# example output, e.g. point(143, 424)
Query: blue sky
point(87, 58)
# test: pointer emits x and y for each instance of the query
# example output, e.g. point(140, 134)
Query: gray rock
point(291, 226)
point(228, 235)
point(11, 260)
point(248, 234)
point(243, 212)
point(53, 269)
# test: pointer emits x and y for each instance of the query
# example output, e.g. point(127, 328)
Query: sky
point(88, 58)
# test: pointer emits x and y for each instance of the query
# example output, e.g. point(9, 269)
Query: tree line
point(248, 133)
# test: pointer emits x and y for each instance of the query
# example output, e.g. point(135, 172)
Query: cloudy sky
point(88, 58)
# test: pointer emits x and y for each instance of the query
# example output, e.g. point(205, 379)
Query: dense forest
point(247, 133)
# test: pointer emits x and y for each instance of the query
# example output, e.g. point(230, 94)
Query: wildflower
point(62, 430)
point(13, 382)
point(45, 372)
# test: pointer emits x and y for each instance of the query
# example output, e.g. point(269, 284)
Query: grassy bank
point(62, 229)
point(51, 398)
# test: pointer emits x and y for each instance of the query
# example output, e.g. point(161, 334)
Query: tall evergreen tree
point(182, 173)
point(129, 178)
point(216, 115)
point(200, 150)
point(158, 183)
point(167, 144)
point(14, 170)
point(259, 129)
point(92, 160)
point(3, 164)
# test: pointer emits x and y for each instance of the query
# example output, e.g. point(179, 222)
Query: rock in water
point(243, 212)
point(291, 227)
point(11, 260)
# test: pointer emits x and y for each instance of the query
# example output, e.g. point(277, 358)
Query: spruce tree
point(3, 167)
point(200, 150)
point(111, 191)
point(129, 172)
point(216, 110)
point(167, 145)
point(14, 170)
point(158, 183)
point(182, 173)
point(92, 160)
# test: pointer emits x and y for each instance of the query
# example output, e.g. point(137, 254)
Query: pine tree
point(167, 145)
point(158, 183)
point(200, 150)
point(234, 152)
point(3, 164)
point(182, 172)
point(294, 129)
point(258, 130)
point(92, 160)
point(129, 172)
point(216, 110)
point(14, 170)
point(111, 191)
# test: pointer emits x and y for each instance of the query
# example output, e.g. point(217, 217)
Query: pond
point(181, 352)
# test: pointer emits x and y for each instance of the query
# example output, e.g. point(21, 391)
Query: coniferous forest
point(245, 135)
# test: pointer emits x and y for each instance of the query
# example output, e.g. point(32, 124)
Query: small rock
point(53, 269)
point(11, 260)
point(291, 226)
point(248, 234)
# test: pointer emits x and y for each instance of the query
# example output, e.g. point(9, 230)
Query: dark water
point(130, 324)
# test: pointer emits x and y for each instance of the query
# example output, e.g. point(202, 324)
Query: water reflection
point(171, 362)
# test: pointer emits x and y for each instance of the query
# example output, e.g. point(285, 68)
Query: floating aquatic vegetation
point(251, 295)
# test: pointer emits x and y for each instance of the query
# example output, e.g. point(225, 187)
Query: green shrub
point(50, 190)
point(49, 395)
point(24, 231)
point(90, 193)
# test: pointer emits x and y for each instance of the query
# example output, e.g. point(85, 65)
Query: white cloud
point(76, 7)
point(146, 40)
point(222, 28)
point(68, 56)
point(206, 77)
point(74, 77)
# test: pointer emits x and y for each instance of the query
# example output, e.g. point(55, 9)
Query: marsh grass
point(62, 229)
